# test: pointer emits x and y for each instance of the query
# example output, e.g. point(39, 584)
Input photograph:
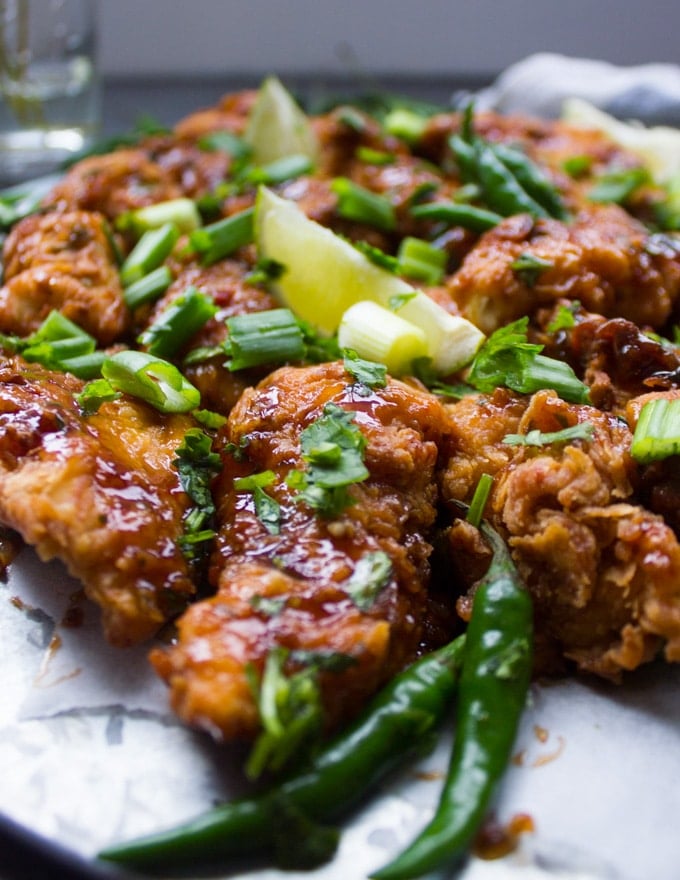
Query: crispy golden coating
point(600, 259)
point(113, 184)
point(307, 564)
point(62, 262)
point(99, 493)
point(603, 571)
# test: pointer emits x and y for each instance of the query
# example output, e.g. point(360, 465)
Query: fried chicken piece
point(290, 587)
point(603, 571)
point(600, 258)
point(98, 492)
point(230, 114)
point(113, 184)
point(62, 262)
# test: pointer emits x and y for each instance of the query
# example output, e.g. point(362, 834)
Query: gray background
point(354, 39)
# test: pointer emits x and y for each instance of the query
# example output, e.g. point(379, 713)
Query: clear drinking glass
point(49, 92)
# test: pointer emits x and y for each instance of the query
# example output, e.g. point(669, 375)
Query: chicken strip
point(602, 258)
point(62, 262)
point(603, 571)
point(98, 492)
point(296, 583)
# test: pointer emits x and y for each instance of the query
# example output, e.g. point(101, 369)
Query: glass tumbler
point(49, 91)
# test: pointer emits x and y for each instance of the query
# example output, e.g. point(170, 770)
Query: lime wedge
point(324, 276)
point(278, 127)
point(658, 146)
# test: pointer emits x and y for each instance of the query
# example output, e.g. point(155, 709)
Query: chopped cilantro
point(371, 575)
point(365, 372)
point(581, 431)
point(529, 268)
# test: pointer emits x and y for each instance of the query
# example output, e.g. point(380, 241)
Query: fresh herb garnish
point(618, 186)
point(565, 317)
point(581, 431)
point(332, 448)
point(267, 508)
point(529, 268)
point(365, 372)
point(270, 337)
point(196, 465)
point(371, 575)
point(479, 499)
point(657, 433)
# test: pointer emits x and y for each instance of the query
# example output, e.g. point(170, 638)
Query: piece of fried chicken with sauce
point(604, 572)
point(294, 585)
point(99, 492)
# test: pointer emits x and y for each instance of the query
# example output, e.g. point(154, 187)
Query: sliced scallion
point(457, 214)
point(479, 499)
point(149, 253)
point(148, 288)
point(269, 337)
point(421, 260)
point(657, 433)
point(177, 323)
point(363, 206)
point(222, 238)
point(377, 334)
point(151, 379)
point(181, 212)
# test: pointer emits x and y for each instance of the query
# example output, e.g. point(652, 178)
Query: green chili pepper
point(531, 179)
point(493, 688)
point(502, 190)
point(391, 727)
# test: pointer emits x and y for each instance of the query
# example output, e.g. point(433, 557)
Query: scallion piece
point(269, 337)
point(148, 288)
point(151, 379)
point(405, 124)
point(181, 212)
point(421, 260)
point(279, 171)
point(479, 499)
point(177, 323)
point(224, 237)
point(85, 366)
point(377, 334)
point(545, 372)
point(457, 214)
point(363, 206)
point(657, 433)
point(149, 253)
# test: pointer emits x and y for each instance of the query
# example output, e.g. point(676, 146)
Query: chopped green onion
point(377, 334)
point(84, 366)
point(377, 256)
point(363, 206)
point(209, 419)
point(577, 166)
point(405, 124)
point(545, 372)
point(278, 171)
point(371, 575)
point(374, 157)
point(269, 337)
point(290, 712)
point(151, 379)
point(479, 499)
point(457, 214)
point(580, 431)
point(421, 260)
point(181, 212)
point(175, 326)
point(224, 237)
point(148, 288)
point(657, 433)
point(149, 253)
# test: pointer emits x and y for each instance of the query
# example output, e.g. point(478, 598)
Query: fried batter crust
point(99, 493)
point(603, 571)
point(62, 262)
point(307, 564)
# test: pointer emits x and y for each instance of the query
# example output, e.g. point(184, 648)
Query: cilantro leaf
point(365, 372)
point(581, 431)
point(371, 575)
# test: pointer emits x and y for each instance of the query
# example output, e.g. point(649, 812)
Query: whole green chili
point(389, 729)
point(530, 177)
point(493, 688)
point(502, 191)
